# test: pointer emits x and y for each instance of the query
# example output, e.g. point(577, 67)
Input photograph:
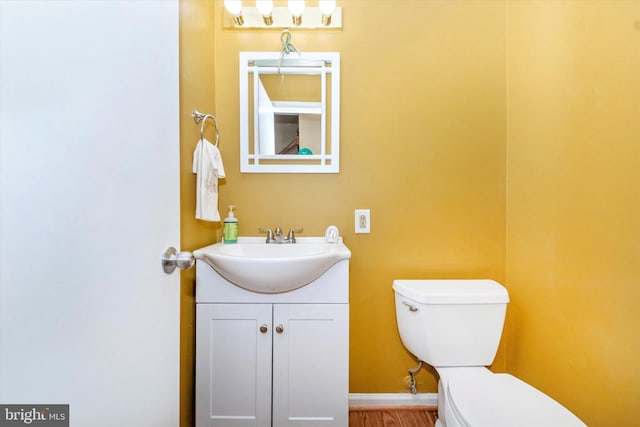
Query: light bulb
point(234, 7)
point(296, 7)
point(265, 7)
point(327, 7)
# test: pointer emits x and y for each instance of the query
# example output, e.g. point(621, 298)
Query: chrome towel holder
point(201, 118)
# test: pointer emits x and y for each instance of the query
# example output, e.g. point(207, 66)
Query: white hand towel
point(207, 165)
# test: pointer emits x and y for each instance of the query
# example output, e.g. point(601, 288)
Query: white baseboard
point(392, 399)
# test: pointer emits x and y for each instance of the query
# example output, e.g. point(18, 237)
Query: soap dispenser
point(230, 231)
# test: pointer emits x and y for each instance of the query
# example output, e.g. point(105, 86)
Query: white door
point(89, 200)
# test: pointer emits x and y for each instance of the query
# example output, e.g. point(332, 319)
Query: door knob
point(263, 329)
point(171, 259)
point(279, 329)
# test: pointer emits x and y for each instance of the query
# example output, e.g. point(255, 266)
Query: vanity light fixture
point(234, 7)
point(313, 14)
point(265, 8)
point(296, 7)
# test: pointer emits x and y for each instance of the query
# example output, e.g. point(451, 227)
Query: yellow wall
point(427, 122)
point(573, 266)
point(196, 91)
point(422, 146)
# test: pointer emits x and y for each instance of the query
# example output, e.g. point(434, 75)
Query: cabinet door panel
point(233, 366)
point(311, 364)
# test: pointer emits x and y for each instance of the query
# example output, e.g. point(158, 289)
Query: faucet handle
point(291, 237)
point(270, 238)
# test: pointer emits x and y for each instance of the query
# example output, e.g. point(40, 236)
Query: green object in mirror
point(305, 151)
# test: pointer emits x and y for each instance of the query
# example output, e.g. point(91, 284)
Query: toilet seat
point(501, 400)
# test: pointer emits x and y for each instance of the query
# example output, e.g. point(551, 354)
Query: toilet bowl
point(455, 326)
point(476, 397)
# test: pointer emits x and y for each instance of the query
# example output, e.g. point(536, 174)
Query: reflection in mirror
point(289, 112)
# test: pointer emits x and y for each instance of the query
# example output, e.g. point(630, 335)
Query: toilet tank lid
point(452, 291)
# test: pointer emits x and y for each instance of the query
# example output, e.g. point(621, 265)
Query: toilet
point(455, 326)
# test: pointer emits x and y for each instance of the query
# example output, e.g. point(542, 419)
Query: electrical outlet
point(363, 221)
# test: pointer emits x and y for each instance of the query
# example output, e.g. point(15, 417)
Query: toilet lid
point(452, 291)
point(501, 400)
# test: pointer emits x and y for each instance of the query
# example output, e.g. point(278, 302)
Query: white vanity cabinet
point(272, 359)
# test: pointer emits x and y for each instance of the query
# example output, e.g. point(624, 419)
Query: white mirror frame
point(323, 162)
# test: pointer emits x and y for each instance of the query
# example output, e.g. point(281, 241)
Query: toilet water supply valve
point(412, 381)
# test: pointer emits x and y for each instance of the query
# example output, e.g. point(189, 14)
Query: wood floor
point(392, 417)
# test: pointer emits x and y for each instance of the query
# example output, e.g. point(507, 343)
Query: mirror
point(290, 112)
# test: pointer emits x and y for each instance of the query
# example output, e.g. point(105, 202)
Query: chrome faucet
point(278, 237)
point(291, 237)
point(270, 238)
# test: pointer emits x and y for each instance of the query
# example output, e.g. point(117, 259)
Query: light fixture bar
point(311, 19)
point(289, 62)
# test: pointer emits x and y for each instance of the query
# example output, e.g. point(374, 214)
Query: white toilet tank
point(451, 322)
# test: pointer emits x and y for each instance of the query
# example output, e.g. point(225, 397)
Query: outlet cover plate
point(362, 221)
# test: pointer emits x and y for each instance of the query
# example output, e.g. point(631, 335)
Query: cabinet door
point(311, 365)
point(233, 365)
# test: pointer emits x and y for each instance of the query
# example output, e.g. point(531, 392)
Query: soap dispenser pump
point(230, 231)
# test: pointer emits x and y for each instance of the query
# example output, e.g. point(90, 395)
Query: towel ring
point(199, 117)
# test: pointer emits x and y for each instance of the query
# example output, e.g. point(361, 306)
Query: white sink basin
point(273, 268)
